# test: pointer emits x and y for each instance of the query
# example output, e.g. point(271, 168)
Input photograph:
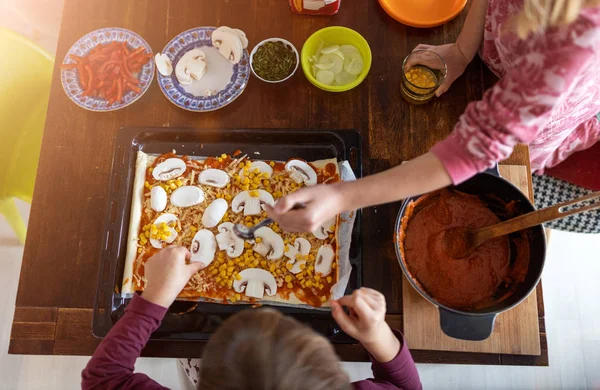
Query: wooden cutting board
point(516, 331)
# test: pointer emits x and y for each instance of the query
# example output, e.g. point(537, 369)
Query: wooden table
point(58, 277)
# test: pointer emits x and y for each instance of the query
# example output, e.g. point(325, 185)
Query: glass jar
point(423, 71)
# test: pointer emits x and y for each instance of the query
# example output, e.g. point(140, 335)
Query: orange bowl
point(423, 13)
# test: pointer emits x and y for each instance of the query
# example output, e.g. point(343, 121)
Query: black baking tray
point(192, 320)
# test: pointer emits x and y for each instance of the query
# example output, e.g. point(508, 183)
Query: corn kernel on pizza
point(178, 200)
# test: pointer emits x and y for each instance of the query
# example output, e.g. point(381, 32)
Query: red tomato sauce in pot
point(483, 278)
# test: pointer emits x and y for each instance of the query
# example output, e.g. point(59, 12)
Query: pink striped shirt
point(547, 96)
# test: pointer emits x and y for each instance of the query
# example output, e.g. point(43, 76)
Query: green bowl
point(335, 35)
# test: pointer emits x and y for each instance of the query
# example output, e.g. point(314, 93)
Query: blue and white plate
point(81, 48)
point(224, 80)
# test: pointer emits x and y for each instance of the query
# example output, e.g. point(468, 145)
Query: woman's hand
point(456, 62)
point(168, 273)
point(366, 322)
point(321, 203)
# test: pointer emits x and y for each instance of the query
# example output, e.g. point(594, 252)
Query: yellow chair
point(26, 73)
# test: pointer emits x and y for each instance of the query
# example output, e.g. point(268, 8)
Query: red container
point(315, 7)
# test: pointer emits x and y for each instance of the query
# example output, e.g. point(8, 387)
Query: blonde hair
point(263, 349)
point(538, 15)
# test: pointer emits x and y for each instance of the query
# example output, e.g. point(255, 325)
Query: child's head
point(538, 15)
point(263, 349)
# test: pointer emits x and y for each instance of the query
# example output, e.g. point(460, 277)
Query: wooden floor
point(571, 294)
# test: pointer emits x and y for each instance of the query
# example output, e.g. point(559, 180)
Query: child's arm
point(111, 366)
point(392, 362)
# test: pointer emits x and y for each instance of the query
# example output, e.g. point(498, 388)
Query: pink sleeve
point(513, 111)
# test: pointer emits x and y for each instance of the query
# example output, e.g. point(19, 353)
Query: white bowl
point(274, 40)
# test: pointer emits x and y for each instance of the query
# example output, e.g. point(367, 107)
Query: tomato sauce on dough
point(480, 280)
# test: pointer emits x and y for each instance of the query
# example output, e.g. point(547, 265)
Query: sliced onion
point(348, 49)
point(330, 49)
point(324, 66)
point(344, 78)
point(336, 65)
point(325, 76)
point(353, 64)
point(339, 54)
point(337, 62)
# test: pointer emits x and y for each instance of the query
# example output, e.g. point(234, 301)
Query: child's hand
point(167, 274)
point(455, 61)
point(367, 314)
point(366, 322)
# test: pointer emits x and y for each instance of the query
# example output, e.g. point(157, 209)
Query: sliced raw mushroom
point(241, 35)
point(169, 169)
point(301, 172)
point(214, 178)
point(191, 66)
point(228, 241)
point(158, 198)
point(301, 247)
point(203, 247)
point(187, 196)
point(255, 282)
point(271, 244)
point(324, 260)
point(169, 219)
point(262, 166)
point(229, 44)
point(251, 204)
point(214, 213)
point(322, 233)
point(163, 64)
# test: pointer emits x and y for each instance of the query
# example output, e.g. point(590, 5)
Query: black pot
point(478, 324)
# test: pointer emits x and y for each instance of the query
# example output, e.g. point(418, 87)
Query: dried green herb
point(274, 61)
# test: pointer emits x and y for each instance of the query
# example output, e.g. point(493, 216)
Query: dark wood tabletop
point(58, 277)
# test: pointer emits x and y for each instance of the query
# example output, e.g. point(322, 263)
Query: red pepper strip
point(137, 51)
point(68, 66)
point(81, 75)
point(102, 76)
point(75, 58)
point(134, 88)
point(125, 49)
point(126, 71)
point(90, 84)
point(112, 89)
point(119, 89)
point(105, 65)
point(98, 57)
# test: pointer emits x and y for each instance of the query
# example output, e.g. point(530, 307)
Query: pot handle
point(466, 327)
point(493, 171)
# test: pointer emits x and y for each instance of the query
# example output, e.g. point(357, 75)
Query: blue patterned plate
point(70, 78)
point(224, 80)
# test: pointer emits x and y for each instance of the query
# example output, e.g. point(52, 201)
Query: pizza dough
point(217, 192)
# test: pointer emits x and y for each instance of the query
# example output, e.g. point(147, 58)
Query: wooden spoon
point(459, 242)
